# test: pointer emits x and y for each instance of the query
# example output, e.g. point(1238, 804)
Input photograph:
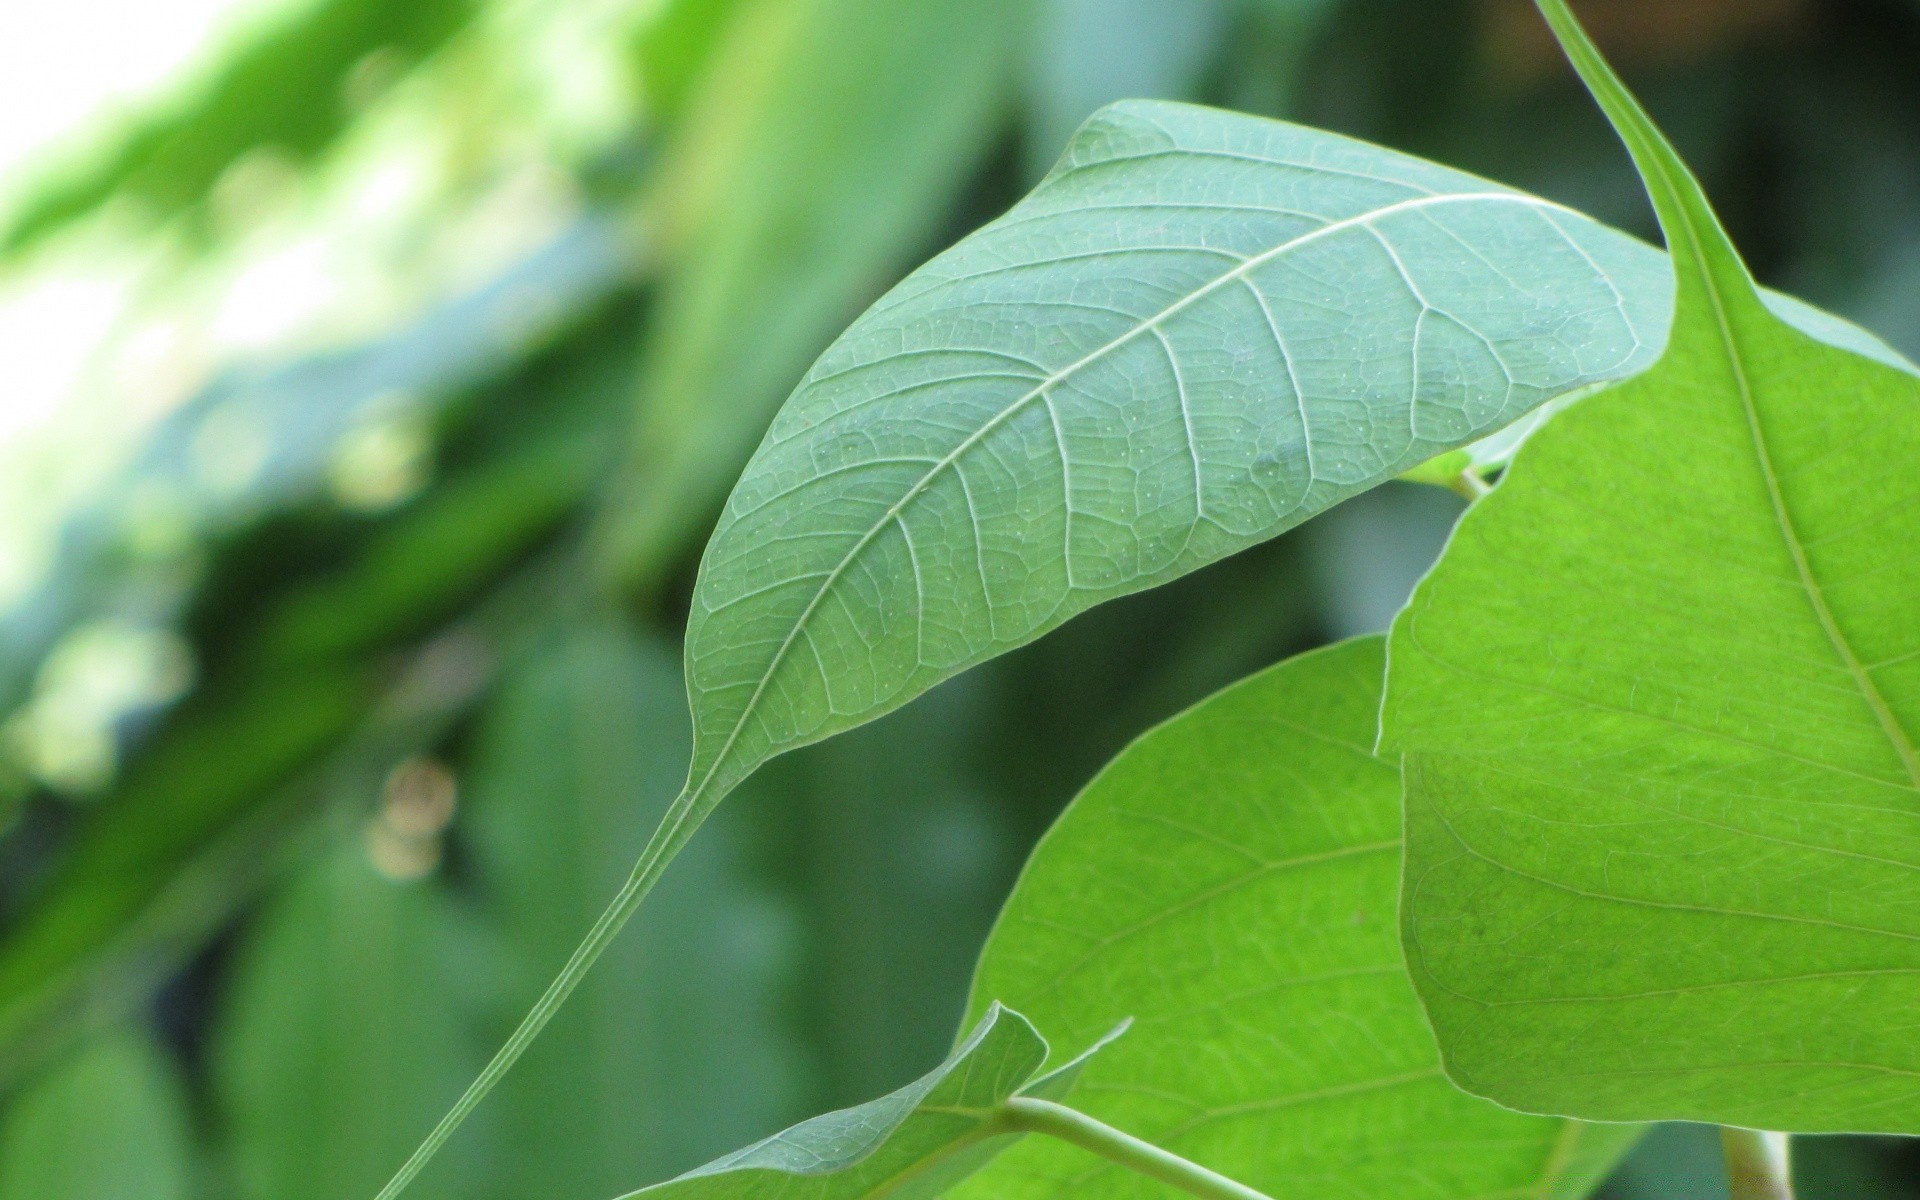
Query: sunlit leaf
point(910, 1145)
point(1658, 705)
point(109, 1122)
point(1229, 882)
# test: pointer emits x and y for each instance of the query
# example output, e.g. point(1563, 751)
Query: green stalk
point(674, 830)
point(1757, 1167)
point(1027, 1115)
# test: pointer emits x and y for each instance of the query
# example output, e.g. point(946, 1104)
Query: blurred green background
point(374, 371)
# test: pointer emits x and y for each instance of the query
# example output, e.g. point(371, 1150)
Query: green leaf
point(678, 1047)
point(345, 1025)
point(109, 1122)
point(1229, 882)
point(1199, 331)
point(818, 155)
point(910, 1145)
point(1657, 706)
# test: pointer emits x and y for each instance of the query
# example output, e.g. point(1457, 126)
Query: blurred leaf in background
point(110, 1121)
point(349, 1022)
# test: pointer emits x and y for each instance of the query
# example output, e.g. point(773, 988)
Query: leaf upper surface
point(1657, 705)
point(1229, 882)
point(1201, 329)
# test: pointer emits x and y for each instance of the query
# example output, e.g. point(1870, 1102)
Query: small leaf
point(1657, 705)
point(910, 1145)
point(1230, 880)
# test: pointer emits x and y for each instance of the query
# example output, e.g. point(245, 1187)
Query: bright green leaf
point(909, 1145)
point(110, 1122)
point(1199, 331)
point(1658, 705)
point(1229, 882)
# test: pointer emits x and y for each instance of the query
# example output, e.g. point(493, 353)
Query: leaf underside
point(1229, 881)
point(1200, 330)
point(911, 1144)
point(1657, 705)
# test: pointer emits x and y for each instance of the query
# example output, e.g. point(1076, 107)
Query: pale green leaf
point(910, 1145)
point(1657, 704)
point(108, 1123)
point(1199, 331)
point(1229, 882)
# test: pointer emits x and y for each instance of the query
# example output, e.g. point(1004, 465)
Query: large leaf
point(1229, 882)
point(110, 1122)
point(909, 1145)
point(344, 1026)
point(1657, 706)
point(679, 1047)
point(1199, 331)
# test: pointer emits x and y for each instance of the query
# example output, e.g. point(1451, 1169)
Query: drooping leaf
point(1657, 705)
point(680, 1045)
point(820, 150)
point(1199, 331)
point(111, 1121)
point(912, 1144)
point(345, 1025)
point(1229, 882)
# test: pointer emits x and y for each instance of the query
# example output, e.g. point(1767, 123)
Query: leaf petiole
point(1028, 1115)
point(1757, 1167)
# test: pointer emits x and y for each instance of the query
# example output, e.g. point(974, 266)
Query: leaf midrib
point(1040, 389)
point(1783, 518)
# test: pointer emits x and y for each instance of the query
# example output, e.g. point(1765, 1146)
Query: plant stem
point(1470, 484)
point(1756, 1164)
point(676, 827)
point(1028, 1115)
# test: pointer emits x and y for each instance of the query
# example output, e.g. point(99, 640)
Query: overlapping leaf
point(1199, 331)
point(1658, 705)
point(909, 1145)
point(1229, 881)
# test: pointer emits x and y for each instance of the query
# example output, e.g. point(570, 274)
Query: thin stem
point(1469, 483)
point(675, 828)
point(1756, 1164)
point(1028, 1115)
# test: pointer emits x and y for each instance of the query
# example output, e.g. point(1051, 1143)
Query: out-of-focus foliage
point(291, 93)
point(111, 1121)
point(433, 334)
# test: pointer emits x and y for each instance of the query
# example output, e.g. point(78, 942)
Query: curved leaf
point(909, 1145)
point(1200, 330)
point(1658, 706)
point(1229, 881)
